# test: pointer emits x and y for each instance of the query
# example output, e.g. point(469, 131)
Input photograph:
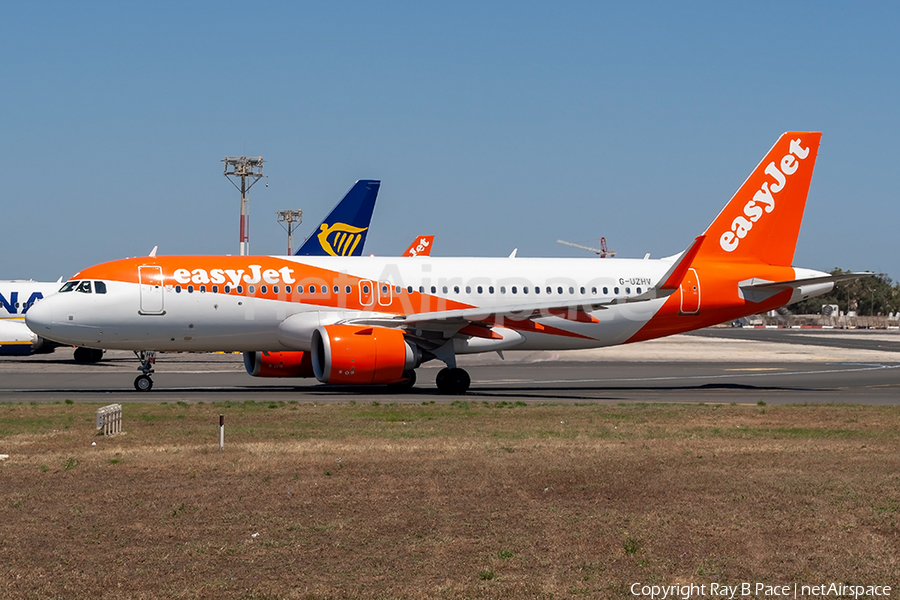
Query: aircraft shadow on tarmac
point(529, 393)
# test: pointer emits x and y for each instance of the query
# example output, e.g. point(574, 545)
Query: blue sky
point(491, 125)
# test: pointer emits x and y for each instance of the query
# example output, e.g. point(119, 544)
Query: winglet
point(672, 278)
point(343, 231)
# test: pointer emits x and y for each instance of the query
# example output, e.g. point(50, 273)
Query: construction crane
point(603, 251)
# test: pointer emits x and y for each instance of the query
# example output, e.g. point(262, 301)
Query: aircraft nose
point(39, 317)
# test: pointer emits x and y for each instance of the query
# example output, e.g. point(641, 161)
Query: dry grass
point(443, 500)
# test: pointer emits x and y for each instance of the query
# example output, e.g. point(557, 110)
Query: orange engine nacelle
point(351, 354)
point(278, 364)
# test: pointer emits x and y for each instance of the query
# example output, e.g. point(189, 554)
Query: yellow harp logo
point(344, 240)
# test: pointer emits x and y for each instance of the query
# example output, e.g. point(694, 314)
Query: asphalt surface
point(541, 377)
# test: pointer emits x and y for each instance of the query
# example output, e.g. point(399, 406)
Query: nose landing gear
point(142, 382)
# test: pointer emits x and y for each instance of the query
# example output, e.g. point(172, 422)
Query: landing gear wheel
point(452, 381)
point(143, 383)
point(409, 380)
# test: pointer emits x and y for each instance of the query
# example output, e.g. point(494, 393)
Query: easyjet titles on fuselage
point(742, 224)
point(235, 276)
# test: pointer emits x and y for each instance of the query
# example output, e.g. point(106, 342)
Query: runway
point(720, 365)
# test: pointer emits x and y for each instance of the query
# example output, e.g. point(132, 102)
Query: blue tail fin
point(343, 232)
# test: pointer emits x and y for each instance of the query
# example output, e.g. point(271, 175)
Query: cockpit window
point(99, 287)
point(84, 287)
point(69, 286)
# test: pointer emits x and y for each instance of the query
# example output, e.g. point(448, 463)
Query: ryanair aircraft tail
point(343, 232)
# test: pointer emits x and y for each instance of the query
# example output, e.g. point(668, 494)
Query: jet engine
point(278, 364)
point(17, 339)
point(351, 354)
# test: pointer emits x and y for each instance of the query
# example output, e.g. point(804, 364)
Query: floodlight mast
point(293, 218)
point(245, 168)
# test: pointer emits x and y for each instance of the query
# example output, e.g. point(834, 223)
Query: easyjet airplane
point(374, 320)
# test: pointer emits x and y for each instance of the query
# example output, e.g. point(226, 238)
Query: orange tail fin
point(421, 246)
point(762, 221)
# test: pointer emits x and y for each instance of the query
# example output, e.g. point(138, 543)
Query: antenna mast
point(293, 218)
point(245, 168)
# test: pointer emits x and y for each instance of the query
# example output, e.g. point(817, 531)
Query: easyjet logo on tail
point(344, 240)
point(763, 201)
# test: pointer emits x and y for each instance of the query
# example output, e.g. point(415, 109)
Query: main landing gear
point(143, 383)
point(87, 355)
point(453, 381)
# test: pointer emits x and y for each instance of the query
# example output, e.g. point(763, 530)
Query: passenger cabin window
point(177, 289)
point(250, 289)
point(240, 289)
point(274, 289)
point(99, 287)
point(263, 289)
point(215, 289)
point(202, 289)
point(227, 289)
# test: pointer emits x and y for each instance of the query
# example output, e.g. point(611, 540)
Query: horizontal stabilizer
point(759, 285)
point(760, 290)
